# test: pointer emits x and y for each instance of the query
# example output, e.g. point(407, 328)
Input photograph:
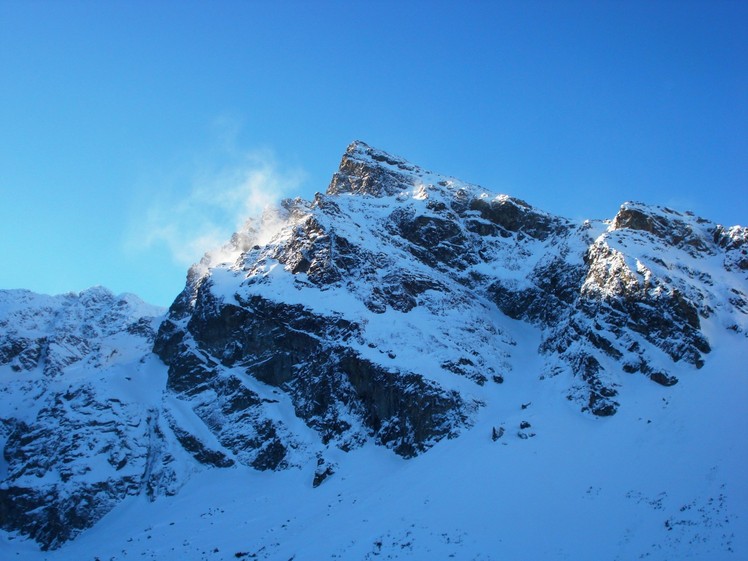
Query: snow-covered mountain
point(408, 366)
point(79, 415)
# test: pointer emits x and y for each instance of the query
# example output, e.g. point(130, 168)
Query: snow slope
point(662, 479)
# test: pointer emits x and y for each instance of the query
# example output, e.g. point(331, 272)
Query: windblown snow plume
point(216, 204)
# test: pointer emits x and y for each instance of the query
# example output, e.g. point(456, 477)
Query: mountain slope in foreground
point(406, 367)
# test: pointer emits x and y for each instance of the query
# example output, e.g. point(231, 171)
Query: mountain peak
point(682, 230)
point(365, 170)
point(423, 316)
point(360, 150)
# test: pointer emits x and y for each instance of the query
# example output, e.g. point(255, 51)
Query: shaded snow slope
point(655, 481)
point(80, 410)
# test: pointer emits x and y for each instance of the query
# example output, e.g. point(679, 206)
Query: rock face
point(309, 356)
point(395, 253)
point(54, 492)
point(53, 333)
point(382, 312)
point(74, 442)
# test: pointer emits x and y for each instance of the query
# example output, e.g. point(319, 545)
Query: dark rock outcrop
point(338, 393)
point(52, 491)
point(73, 445)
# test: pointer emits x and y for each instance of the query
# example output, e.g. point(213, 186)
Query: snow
point(654, 481)
point(662, 479)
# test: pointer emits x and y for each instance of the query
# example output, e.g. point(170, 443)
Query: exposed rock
point(201, 452)
point(677, 230)
point(323, 471)
point(497, 433)
point(305, 355)
point(51, 492)
point(73, 446)
point(367, 171)
point(594, 300)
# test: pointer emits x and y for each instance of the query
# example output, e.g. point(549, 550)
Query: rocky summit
point(400, 310)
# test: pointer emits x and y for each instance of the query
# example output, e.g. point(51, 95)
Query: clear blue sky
point(132, 132)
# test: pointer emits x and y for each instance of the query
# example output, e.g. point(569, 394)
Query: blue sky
point(135, 135)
